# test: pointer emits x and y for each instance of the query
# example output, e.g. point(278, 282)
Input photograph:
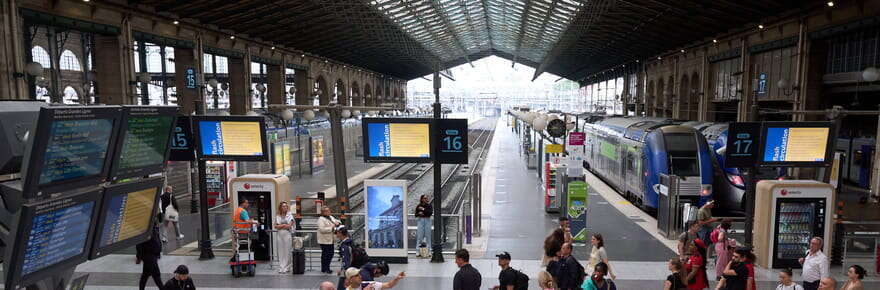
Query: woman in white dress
point(284, 224)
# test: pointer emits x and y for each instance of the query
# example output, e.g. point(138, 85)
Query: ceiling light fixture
point(760, 26)
point(658, 58)
point(830, 3)
point(232, 37)
point(714, 41)
point(682, 51)
point(273, 48)
point(176, 22)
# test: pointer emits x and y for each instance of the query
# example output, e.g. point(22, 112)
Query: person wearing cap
point(181, 280)
point(705, 220)
point(509, 278)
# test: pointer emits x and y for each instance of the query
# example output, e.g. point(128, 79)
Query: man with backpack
point(566, 270)
point(344, 253)
point(509, 278)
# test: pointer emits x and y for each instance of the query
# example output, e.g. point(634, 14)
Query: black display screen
point(52, 235)
point(127, 215)
point(146, 132)
point(70, 148)
point(76, 148)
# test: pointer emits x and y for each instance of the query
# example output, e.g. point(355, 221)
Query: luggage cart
point(242, 262)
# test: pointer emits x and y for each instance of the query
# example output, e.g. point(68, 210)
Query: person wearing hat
point(181, 280)
point(509, 278)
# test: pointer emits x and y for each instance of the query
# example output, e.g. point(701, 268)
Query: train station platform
point(513, 220)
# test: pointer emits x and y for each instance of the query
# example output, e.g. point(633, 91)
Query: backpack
point(521, 279)
point(359, 256)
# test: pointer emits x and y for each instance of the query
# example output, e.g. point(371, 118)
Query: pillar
point(303, 87)
point(111, 86)
point(275, 84)
point(705, 82)
point(184, 59)
point(13, 84)
point(744, 112)
point(239, 85)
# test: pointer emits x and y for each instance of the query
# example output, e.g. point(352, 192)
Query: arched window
point(41, 56)
point(69, 61)
point(70, 95)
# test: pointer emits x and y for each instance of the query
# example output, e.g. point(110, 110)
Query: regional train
point(728, 183)
point(630, 153)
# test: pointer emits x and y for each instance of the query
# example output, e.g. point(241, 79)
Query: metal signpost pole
point(437, 253)
point(206, 252)
point(749, 178)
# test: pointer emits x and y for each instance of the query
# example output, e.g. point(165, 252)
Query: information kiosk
point(263, 192)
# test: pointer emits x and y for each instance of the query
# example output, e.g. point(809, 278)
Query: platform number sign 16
point(742, 144)
point(452, 147)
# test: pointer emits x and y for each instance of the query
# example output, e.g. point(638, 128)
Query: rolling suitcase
point(298, 258)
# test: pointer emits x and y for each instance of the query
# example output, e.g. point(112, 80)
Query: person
point(736, 272)
point(854, 276)
point(597, 280)
point(345, 253)
point(566, 270)
point(241, 220)
point(423, 217)
point(326, 225)
point(723, 249)
point(693, 268)
point(815, 265)
point(545, 281)
point(467, 277)
point(371, 271)
point(326, 285)
point(827, 283)
point(167, 198)
point(785, 282)
point(565, 225)
point(284, 225)
point(149, 253)
point(686, 237)
point(705, 221)
point(509, 278)
point(354, 280)
point(598, 254)
point(552, 245)
point(675, 280)
point(181, 280)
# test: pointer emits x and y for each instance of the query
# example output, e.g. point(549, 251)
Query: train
point(630, 153)
point(728, 182)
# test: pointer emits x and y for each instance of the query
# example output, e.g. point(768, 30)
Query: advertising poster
point(577, 210)
point(386, 218)
point(317, 153)
point(281, 154)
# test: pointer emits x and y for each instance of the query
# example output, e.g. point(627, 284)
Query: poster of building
point(386, 218)
point(281, 154)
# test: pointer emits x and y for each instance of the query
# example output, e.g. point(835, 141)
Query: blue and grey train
point(729, 185)
point(630, 153)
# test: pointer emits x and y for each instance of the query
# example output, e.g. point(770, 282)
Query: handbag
point(171, 214)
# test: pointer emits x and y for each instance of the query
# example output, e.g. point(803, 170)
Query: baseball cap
point(351, 272)
point(182, 270)
point(503, 255)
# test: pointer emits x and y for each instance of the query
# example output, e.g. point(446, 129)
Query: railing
point(451, 221)
point(220, 219)
point(861, 243)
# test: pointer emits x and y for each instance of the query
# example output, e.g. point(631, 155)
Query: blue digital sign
point(379, 139)
point(76, 148)
point(56, 236)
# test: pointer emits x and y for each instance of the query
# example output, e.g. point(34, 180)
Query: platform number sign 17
point(742, 144)
point(452, 146)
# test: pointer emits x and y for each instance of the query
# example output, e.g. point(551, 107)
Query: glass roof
point(454, 29)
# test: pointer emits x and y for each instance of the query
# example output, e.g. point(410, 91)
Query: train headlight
point(736, 180)
point(705, 189)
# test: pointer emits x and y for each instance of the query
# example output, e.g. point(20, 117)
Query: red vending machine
point(788, 213)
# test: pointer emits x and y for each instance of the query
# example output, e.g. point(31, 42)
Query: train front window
point(682, 150)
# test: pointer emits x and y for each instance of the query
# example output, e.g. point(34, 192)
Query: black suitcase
point(298, 258)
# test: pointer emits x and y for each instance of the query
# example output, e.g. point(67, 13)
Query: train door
point(629, 171)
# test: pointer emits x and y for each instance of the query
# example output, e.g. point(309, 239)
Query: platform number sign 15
point(452, 147)
point(181, 141)
point(742, 144)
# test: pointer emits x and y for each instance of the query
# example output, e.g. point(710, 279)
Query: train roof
point(634, 128)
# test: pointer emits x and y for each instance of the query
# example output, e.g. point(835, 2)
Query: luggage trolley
point(242, 262)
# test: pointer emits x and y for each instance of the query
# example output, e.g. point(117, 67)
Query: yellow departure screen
point(241, 138)
point(128, 215)
point(796, 144)
point(410, 140)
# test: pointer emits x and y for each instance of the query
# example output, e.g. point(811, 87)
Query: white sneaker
point(180, 237)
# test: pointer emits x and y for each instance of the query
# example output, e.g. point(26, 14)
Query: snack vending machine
point(788, 214)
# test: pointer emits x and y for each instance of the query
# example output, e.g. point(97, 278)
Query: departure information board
point(70, 147)
point(796, 143)
point(127, 214)
point(397, 139)
point(233, 138)
point(146, 131)
point(52, 235)
point(76, 148)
